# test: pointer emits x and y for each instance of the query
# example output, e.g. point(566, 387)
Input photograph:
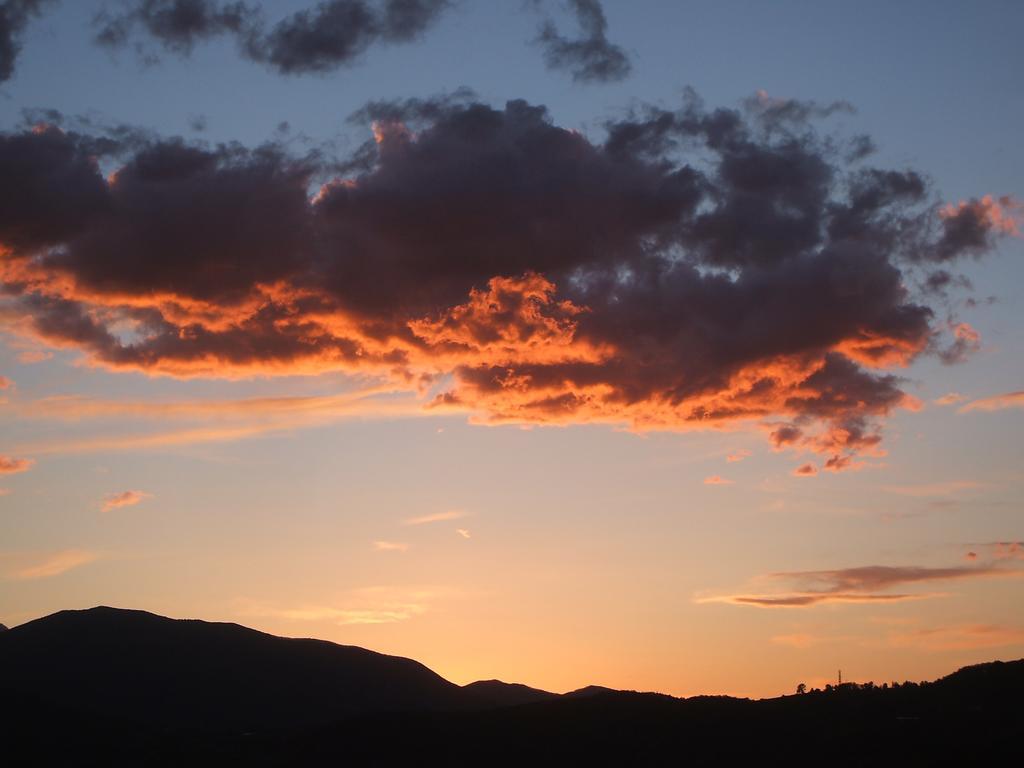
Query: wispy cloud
point(345, 616)
point(463, 533)
point(805, 470)
point(53, 564)
point(716, 480)
point(435, 517)
point(997, 550)
point(390, 546)
point(950, 398)
point(799, 640)
point(739, 455)
point(865, 584)
point(11, 466)
point(368, 605)
point(947, 488)
point(995, 402)
point(124, 499)
point(221, 420)
point(961, 637)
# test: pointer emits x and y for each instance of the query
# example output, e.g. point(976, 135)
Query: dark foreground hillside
point(107, 687)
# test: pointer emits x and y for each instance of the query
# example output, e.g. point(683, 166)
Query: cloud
point(799, 640)
point(995, 402)
point(11, 466)
point(124, 499)
point(591, 57)
point(805, 470)
point(389, 614)
point(5, 491)
point(966, 341)
point(14, 17)
point(951, 398)
point(390, 546)
point(716, 480)
point(688, 269)
point(435, 517)
point(51, 565)
point(337, 32)
point(223, 420)
point(176, 24)
point(6, 383)
point(997, 550)
point(866, 584)
point(970, 226)
point(365, 606)
point(944, 488)
point(960, 637)
point(463, 533)
point(328, 36)
point(739, 455)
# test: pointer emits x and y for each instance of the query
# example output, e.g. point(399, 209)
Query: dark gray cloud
point(864, 584)
point(14, 17)
point(591, 57)
point(176, 24)
point(323, 38)
point(337, 32)
point(690, 267)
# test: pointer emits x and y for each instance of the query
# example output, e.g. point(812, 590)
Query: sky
point(661, 346)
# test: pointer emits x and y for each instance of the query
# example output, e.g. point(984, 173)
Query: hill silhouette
point(115, 687)
point(140, 666)
point(496, 693)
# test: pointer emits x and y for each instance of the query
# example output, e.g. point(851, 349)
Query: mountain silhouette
point(137, 665)
point(115, 687)
point(496, 693)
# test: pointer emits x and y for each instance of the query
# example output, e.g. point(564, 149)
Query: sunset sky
point(655, 345)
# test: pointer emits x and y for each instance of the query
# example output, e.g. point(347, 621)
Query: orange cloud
point(52, 565)
point(998, 550)
point(839, 463)
point(537, 276)
point(224, 421)
point(124, 499)
point(716, 480)
point(365, 606)
point(390, 546)
point(945, 488)
point(739, 455)
point(951, 398)
point(6, 383)
point(798, 640)
point(435, 517)
point(11, 466)
point(805, 470)
point(961, 637)
point(1003, 214)
point(995, 402)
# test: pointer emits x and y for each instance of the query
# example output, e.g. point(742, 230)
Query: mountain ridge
point(114, 684)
